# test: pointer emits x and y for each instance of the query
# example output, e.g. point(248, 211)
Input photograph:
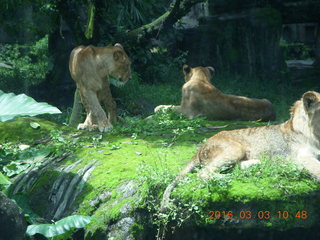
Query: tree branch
point(177, 10)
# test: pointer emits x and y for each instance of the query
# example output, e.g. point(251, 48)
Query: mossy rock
point(119, 178)
point(21, 130)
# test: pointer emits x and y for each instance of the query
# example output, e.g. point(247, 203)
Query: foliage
point(15, 159)
point(163, 65)
point(60, 229)
point(3, 181)
point(297, 50)
point(62, 143)
point(128, 14)
point(30, 63)
point(130, 97)
point(12, 106)
point(159, 123)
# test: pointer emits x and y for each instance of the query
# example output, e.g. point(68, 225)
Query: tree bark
point(77, 111)
point(317, 48)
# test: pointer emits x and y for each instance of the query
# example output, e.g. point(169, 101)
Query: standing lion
point(90, 68)
point(297, 140)
point(201, 98)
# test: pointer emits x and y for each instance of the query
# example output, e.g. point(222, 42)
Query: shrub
point(30, 64)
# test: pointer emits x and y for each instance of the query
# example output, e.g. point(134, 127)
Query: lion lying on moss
point(201, 98)
point(297, 140)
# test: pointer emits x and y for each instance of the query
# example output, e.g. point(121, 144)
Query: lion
point(297, 140)
point(90, 68)
point(201, 98)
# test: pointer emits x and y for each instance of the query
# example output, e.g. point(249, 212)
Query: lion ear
point(211, 70)
point(118, 45)
point(117, 55)
point(186, 69)
point(309, 99)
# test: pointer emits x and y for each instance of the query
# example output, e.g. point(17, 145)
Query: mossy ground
point(152, 152)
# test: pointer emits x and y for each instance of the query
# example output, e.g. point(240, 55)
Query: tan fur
point(201, 98)
point(90, 67)
point(297, 140)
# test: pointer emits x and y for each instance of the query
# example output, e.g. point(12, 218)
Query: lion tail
point(166, 195)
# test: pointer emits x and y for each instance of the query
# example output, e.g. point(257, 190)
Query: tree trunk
point(77, 115)
point(317, 48)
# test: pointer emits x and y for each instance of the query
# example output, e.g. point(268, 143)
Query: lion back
point(80, 58)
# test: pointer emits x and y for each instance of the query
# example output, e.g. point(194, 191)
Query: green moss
point(19, 130)
point(153, 159)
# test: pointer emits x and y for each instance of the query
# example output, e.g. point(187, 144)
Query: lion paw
point(90, 127)
point(82, 126)
point(162, 107)
point(105, 127)
point(102, 127)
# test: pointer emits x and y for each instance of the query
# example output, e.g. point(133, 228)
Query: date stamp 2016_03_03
point(260, 214)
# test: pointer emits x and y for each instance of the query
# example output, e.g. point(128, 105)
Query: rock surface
point(12, 222)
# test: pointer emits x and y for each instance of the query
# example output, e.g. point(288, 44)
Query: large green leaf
point(60, 227)
point(12, 105)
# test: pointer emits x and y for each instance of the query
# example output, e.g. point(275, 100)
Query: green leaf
point(60, 227)
point(4, 180)
point(14, 168)
point(12, 106)
point(33, 154)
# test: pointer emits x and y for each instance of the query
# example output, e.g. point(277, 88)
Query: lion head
point(305, 114)
point(311, 104)
point(189, 72)
point(121, 67)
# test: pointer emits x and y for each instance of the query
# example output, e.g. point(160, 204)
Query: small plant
point(158, 124)
point(114, 147)
point(14, 160)
point(163, 67)
point(62, 143)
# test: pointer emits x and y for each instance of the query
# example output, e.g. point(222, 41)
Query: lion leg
point(249, 163)
point(224, 155)
point(109, 104)
point(89, 120)
point(96, 117)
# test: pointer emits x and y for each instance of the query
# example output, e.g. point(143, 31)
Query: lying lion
point(297, 139)
point(201, 98)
